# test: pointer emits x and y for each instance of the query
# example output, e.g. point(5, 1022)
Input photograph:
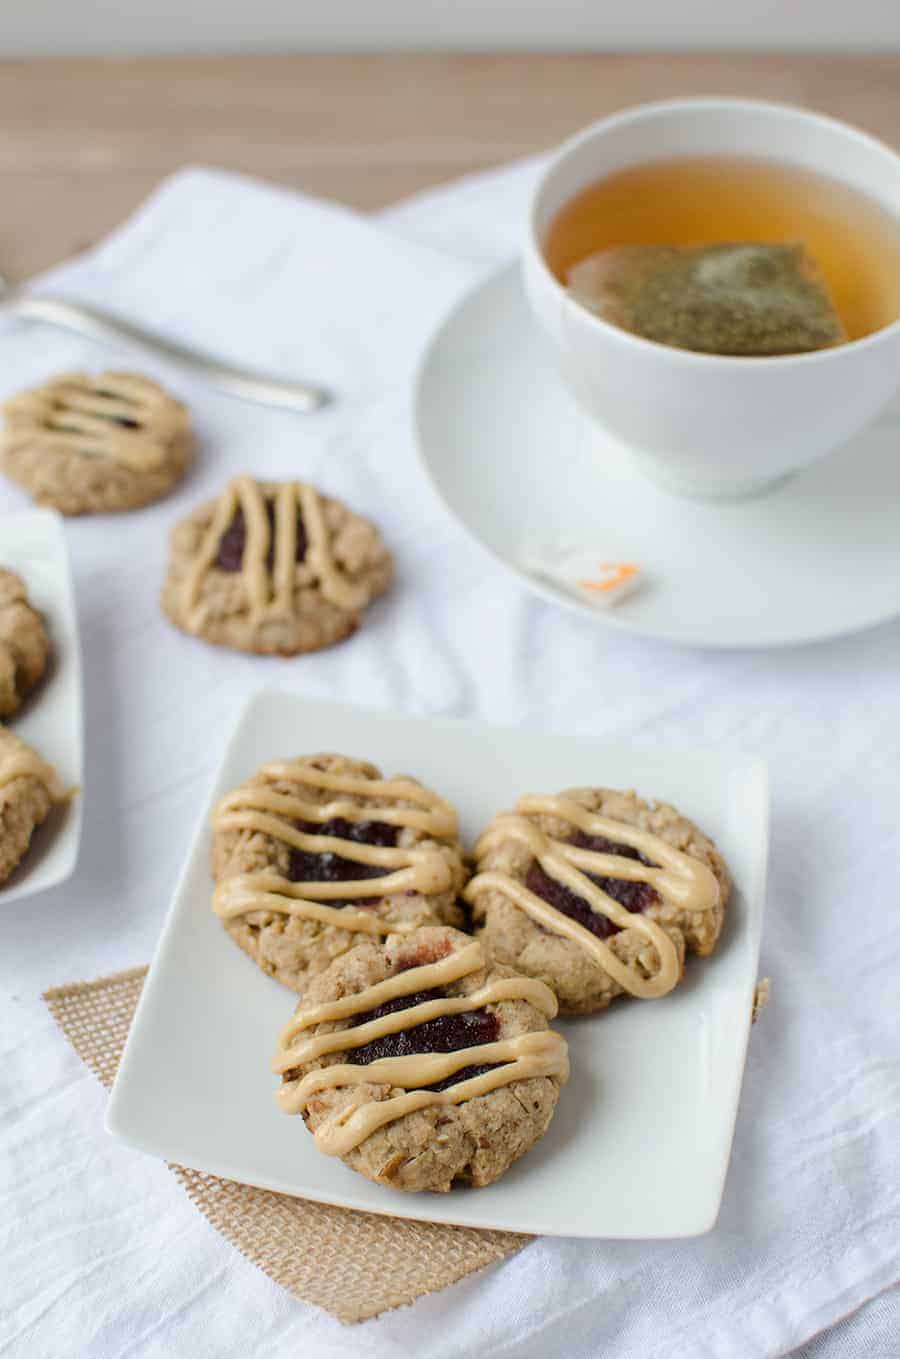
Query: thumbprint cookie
point(598, 894)
point(87, 445)
point(29, 789)
point(421, 1064)
point(274, 568)
point(313, 855)
point(24, 647)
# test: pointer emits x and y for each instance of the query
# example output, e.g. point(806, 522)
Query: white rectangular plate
point(640, 1143)
point(33, 544)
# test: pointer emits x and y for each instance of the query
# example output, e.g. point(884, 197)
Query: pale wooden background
point(83, 141)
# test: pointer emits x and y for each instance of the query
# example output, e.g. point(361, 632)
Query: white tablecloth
point(102, 1254)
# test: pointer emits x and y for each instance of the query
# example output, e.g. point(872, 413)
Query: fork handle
point(267, 391)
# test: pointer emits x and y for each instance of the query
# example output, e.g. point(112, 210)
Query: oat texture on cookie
point(29, 789)
point(89, 444)
point(275, 568)
point(598, 893)
point(313, 854)
point(421, 1064)
point(24, 645)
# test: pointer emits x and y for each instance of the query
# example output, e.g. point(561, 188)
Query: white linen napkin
point(103, 1255)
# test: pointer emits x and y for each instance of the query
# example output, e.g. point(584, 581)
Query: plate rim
point(511, 272)
point(752, 766)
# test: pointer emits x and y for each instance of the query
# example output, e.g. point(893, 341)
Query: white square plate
point(33, 544)
point(640, 1142)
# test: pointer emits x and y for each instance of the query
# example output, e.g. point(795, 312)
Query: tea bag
point(716, 299)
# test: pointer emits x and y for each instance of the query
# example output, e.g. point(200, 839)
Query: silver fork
point(97, 325)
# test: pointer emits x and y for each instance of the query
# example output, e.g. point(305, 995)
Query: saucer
point(518, 465)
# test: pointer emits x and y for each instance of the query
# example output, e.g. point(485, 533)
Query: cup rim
point(694, 358)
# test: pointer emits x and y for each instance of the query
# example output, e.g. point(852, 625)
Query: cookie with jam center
point(89, 445)
point(24, 645)
point(312, 855)
point(29, 789)
point(421, 1064)
point(274, 568)
point(598, 893)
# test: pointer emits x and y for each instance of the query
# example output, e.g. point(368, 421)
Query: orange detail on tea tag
point(587, 572)
point(611, 578)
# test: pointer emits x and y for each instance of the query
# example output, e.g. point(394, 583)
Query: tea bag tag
point(592, 574)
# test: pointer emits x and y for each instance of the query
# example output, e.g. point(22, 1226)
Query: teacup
point(705, 425)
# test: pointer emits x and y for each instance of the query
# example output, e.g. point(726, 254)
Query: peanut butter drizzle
point(433, 815)
point(529, 1054)
point(418, 868)
point(270, 892)
point(680, 880)
point(82, 414)
point(270, 595)
point(24, 762)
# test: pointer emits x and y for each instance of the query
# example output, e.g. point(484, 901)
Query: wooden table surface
point(85, 140)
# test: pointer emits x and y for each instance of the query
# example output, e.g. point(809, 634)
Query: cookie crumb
point(760, 998)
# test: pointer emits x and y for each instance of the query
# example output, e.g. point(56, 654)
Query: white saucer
point(518, 464)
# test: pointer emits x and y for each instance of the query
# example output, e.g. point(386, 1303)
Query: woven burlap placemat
point(352, 1264)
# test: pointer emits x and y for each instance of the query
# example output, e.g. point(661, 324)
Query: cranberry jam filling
point(446, 1033)
point(124, 420)
point(307, 867)
point(634, 896)
point(230, 556)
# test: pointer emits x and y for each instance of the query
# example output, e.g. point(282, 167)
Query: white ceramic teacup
point(702, 424)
